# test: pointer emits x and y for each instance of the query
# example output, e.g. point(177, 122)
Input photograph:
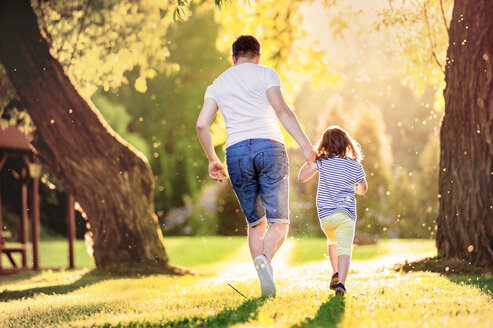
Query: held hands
point(216, 167)
point(309, 168)
point(309, 155)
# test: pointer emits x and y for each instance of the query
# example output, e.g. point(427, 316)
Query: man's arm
point(290, 122)
point(209, 110)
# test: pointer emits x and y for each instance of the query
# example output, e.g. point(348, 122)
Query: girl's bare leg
point(344, 261)
point(333, 258)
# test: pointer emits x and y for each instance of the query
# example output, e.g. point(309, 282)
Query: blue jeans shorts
point(258, 170)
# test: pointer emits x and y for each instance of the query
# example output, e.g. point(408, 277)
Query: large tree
point(465, 218)
point(465, 191)
point(111, 181)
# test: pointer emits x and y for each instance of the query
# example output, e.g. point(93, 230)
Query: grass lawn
point(192, 252)
point(315, 249)
point(376, 298)
point(198, 252)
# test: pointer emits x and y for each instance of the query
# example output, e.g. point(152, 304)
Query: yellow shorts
point(339, 229)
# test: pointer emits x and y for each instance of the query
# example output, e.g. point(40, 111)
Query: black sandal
point(334, 281)
point(340, 289)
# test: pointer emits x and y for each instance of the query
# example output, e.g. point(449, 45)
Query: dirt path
point(238, 268)
point(239, 265)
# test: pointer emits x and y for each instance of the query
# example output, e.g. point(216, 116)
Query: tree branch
point(45, 24)
point(390, 5)
point(444, 19)
point(82, 20)
point(432, 46)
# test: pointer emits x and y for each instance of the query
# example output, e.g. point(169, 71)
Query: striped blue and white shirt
point(336, 180)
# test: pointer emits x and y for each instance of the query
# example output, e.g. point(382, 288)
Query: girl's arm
point(361, 187)
point(307, 171)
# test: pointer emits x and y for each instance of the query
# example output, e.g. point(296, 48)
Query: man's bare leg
point(267, 243)
point(273, 239)
point(256, 239)
point(263, 245)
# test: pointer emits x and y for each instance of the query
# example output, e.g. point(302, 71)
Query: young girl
point(340, 177)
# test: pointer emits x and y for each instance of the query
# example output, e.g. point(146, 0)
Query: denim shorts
point(258, 170)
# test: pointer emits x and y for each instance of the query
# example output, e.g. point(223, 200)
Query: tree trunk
point(111, 181)
point(465, 218)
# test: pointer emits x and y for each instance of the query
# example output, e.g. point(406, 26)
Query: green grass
point(192, 252)
point(389, 299)
point(379, 298)
point(315, 249)
point(197, 251)
point(53, 254)
point(484, 282)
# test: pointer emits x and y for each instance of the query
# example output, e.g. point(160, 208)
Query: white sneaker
point(265, 275)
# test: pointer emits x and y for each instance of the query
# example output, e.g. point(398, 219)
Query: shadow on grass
point(458, 271)
point(443, 266)
point(17, 277)
point(247, 311)
point(86, 280)
point(330, 314)
point(483, 282)
point(55, 314)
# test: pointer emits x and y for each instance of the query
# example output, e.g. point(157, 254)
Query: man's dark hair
point(246, 46)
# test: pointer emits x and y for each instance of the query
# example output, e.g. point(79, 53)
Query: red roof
point(13, 138)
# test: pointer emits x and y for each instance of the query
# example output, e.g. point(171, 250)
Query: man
point(250, 100)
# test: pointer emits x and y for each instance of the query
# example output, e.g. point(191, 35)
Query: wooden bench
point(9, 250)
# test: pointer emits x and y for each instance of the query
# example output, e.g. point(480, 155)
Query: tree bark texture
point(465, 218)
point(111, 181)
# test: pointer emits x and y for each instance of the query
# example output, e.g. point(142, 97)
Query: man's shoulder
point(262, 72)
point(222, 75)
point(266, 69)
point(248, 67)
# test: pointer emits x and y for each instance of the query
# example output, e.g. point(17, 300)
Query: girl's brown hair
point(335, 141)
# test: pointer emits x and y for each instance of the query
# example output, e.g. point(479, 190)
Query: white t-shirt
point(241, 95)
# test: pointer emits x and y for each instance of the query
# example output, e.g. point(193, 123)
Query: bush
point(190, 220)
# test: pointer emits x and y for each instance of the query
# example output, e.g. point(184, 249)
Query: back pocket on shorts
point(275, 164)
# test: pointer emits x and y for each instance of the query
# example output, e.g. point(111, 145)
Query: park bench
point(9, 250)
